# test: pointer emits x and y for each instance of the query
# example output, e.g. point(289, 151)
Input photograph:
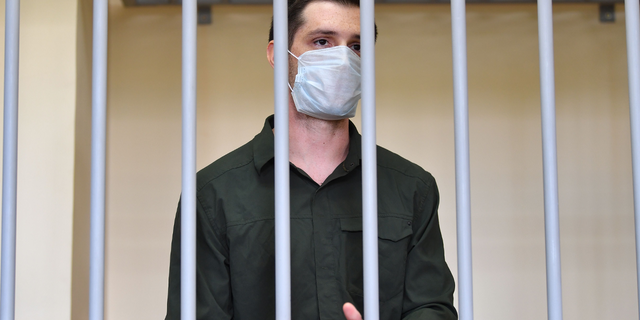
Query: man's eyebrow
point(325, 32)
point(322, 32)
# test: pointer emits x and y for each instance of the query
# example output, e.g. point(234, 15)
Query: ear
point(270, 53)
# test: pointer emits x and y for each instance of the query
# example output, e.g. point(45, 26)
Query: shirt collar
point(263, 146)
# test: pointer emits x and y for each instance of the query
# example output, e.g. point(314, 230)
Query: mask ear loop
point(296, 59)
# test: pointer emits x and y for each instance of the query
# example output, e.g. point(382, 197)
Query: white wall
point(415, 119)
point(45, 158)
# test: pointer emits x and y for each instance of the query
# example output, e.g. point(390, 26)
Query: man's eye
point(356, 47)
point(322, 42)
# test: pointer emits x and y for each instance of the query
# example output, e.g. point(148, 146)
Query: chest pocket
point(394, 235)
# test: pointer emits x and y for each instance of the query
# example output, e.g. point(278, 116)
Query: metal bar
point(369, 162)
point(633, 61)
point(550, 169)
point(98, 154)
point(188, 202)
point(281, 161)
point(10, 159)
point(463, 193)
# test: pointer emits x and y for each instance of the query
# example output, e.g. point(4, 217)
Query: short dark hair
point(296, 7)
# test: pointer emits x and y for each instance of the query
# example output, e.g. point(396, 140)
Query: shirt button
point(409, 223)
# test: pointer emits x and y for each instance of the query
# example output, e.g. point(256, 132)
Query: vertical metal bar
point(550, 168)
point(633, 58)
point(281, 152)
point(369, 162)
point(98, 154)
point(463, 193)
point(188, 202)
point(10, 159)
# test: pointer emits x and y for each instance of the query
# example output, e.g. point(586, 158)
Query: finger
point(350, 312)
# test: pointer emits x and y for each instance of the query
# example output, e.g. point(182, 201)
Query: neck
point(317, 146)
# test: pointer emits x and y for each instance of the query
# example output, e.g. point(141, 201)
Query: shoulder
point(404, 188)
point(238, 159)
point(394, 164)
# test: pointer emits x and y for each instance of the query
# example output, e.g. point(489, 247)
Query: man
point(235, 206)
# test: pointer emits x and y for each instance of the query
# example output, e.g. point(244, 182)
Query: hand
point(350, 312)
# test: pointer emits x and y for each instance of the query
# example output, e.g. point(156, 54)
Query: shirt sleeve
point(429, 284)
point(213, 290)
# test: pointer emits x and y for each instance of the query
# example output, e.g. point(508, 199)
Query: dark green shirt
point(235, 239)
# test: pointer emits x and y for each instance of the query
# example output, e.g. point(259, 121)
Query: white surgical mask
point(328, 83)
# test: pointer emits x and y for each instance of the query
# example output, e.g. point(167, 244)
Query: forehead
point(331, 16)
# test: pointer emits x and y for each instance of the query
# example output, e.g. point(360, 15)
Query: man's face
point(326, 24)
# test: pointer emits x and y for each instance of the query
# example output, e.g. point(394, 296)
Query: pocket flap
point(351, 224)
point(394, 229)
point(389, 228)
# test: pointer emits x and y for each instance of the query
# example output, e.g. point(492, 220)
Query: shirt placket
point(326, 233)
point(325, 254)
